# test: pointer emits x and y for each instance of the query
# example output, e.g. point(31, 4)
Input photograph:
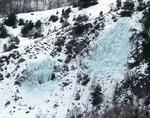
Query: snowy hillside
point(73, 63)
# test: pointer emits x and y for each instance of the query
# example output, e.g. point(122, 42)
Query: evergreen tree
point(21, 22)
point(140, 1)
point(118, 4)
point(3, 31)
point(128, 9)
point(11, 20)
point(38, 24)
point(4, 48)
point(97, 96)
point(27, 28)
point(141, 5)
point(128, 5)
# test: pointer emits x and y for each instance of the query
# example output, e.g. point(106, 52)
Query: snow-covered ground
point(106, 65)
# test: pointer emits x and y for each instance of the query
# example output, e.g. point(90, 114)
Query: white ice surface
point(111, 50)
point(40, 70)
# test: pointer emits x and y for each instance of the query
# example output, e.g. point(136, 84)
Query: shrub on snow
point(97, 96)
point(128, 9)
point(38, 34)
point(12, 44)
point(10, 20)
point(118, 4)
point(126, 14)
point(4, 48)
point(79, 29)
point(81, 18)
point(27, 28)
point(129, 5)
point(65, 13)
point(3, 31)
point(53, 18)
point(38, 24)
point(21, 22)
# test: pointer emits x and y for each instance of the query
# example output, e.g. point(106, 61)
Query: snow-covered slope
point(53, 76)
point(108, 63)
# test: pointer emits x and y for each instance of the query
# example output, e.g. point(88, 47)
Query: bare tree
point(18, 6)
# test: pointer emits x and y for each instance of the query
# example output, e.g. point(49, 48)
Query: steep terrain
point(75, 67)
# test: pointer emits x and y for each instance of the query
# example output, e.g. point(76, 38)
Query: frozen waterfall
point(40, 70)
point(111, 50)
